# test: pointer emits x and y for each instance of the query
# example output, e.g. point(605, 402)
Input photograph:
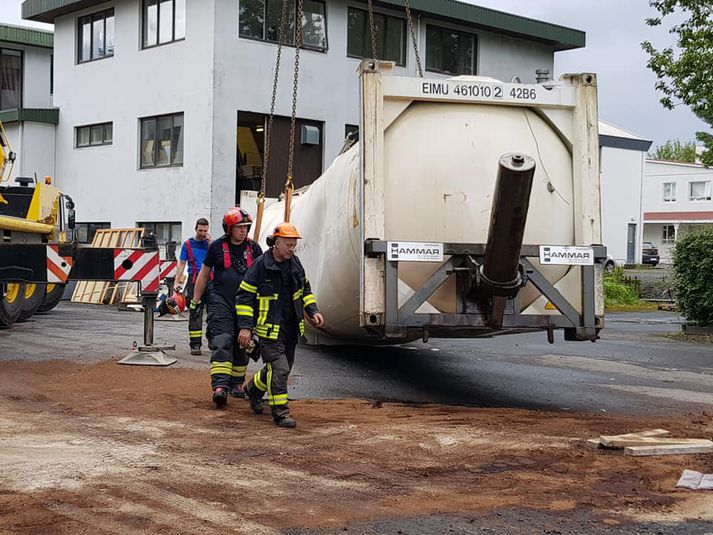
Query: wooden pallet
point(109, 293)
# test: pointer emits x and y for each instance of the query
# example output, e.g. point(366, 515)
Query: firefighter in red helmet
point(228, 257)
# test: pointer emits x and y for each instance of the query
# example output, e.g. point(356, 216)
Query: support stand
point(149, 354)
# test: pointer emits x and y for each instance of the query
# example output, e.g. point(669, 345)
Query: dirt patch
point(112, 449)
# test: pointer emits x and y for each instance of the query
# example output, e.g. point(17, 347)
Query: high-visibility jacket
point(257, 303)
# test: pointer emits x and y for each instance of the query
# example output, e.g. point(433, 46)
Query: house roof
point(618, 138)
point(26, 36)
point(561, 37)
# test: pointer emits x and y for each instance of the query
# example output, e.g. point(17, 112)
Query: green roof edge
point(34, 115)
point(26, 36)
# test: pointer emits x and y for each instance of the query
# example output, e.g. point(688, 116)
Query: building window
point(699, 191)
point(10, 79)
point(162, 141)
point(669, 192)
point(450, 51)
point(96, 36)
point(260, 19)
point(164, 21)
point(85, 231)
point(164, 232)
point(350, 129)
point(390, 36)
point(669, 234)
point(94, 135)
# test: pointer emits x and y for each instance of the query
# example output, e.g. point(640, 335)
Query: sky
point(615, 30)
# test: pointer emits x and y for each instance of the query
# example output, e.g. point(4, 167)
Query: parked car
point(650, 254)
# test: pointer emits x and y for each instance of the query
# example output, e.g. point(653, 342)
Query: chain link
point(268, 130)
point(372, 29)
point(298, 45)
point(413, 38)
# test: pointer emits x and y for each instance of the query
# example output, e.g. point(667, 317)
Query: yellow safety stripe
point(269, 383)
point(244, 310)
point(302, 327)
point(221, 368)
point(258, 382)
point(279, 399)
point(239, 371)
point(297, 294)
point(264, 304)
point(309, 300)
point(248, 287)
point(195, 333)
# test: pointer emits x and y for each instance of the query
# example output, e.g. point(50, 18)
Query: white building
point(162, 103)
point(622, 157)
point(677, 199)
point(26, 99)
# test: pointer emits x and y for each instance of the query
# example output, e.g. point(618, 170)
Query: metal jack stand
point(148, 354)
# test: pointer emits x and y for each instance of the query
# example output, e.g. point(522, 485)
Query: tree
point(685, 72)
point(675, 151)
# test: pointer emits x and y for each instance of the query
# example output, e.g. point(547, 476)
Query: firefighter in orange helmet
point(277, 322)
point(228, 257)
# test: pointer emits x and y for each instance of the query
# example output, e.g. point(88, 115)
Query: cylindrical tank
point(440, 168)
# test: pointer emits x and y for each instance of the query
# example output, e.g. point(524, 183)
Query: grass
point(641, 306)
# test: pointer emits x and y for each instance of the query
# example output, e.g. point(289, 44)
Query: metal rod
point(146, 301)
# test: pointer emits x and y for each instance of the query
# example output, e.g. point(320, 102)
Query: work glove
point(193, 305)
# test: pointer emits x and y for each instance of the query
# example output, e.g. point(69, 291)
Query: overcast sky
point(615, 29)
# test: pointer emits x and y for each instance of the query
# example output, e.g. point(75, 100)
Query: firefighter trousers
point(195, 316)
point(279, 357)
point(228, 361)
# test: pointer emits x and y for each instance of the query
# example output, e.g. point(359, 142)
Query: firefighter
point(273, 300)
point(229, 257)
point(193, 252)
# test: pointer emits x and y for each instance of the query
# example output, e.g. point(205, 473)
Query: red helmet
point(236, 217)
point(180, 301)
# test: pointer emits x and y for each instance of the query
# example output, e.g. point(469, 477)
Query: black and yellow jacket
point(257, 301)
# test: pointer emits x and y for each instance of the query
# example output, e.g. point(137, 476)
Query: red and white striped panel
point(58, 267)
point(138, 266)
point(168, 269)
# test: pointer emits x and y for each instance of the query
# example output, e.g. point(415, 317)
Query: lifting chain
point(413, 38)
point(289, 185)
point(372, 29)
point(268, 130)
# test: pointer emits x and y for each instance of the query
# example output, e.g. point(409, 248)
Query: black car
point(650, 254)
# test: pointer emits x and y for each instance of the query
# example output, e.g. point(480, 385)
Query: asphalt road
point(635, 368)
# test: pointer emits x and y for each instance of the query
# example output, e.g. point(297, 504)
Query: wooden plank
point(671, 449)
point(594, 443)
point(616, 443)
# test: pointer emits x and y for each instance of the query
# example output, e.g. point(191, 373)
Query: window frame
point(22, 77)
point(264, 39)
point(666, 238)
point(672, 196)
point(89, 145)
point(156, 118)
point(143, 36)
point(706, 191)
point(99, 225)
point(367, 34)
point(150, 226)
point(442, 28)
point(91, 16)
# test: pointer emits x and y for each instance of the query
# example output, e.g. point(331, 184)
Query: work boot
point(237, 391)
point(282, 417)
point(220, 397)
point(254, 394)
point(195, 351)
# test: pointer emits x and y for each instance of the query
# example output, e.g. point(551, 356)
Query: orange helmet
point(286, 230)
point(180, 301)
point(236, 217)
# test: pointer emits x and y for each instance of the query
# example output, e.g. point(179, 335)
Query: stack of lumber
point(652, 442)
point(110, 293)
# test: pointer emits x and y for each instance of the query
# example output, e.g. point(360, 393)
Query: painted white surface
point(209, 77)
point(658, 172)
point(621, 182)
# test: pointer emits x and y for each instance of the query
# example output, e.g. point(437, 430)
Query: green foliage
point(616, 292)
point(685, 72)
point(693, 276)
point(676, 151)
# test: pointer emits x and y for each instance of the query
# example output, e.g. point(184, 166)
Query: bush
point(693, 276)
point(618, 293)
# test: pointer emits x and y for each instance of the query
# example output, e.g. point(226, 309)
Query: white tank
point(440, 162)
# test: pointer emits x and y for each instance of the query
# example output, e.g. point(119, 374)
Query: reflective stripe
point(221, 368)
point(244, 310)
point(297, 294)
point(239, 371)
point(195, 333)
point(258, 382)
point(248, 287)
point(264, 307)
point(269, 383)
point(279, 399)
point(309, 300)
point(302, 327)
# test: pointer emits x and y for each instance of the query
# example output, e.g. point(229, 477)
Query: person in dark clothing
point(274, 297)
point(192, 254)
point(229, 257)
